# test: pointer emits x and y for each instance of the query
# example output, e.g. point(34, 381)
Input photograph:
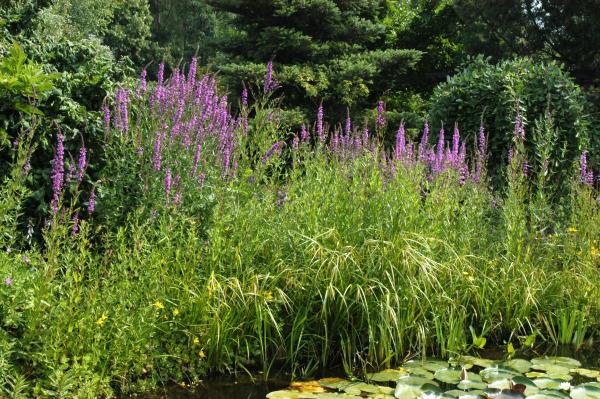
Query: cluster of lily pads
point(466, 377)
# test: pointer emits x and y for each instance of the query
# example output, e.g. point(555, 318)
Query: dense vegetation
point(329, 196)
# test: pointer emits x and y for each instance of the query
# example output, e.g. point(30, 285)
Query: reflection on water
point(244, 387)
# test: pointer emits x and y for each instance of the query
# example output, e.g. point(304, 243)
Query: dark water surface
point(246, 387)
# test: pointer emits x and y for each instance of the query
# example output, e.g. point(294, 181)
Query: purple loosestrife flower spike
point(348, 126)
point(161, 73)
point(75, 228)
point(143, 85)
point(58, 170)
point(70, 173)
point(82, 164)
point(270, 83)
point(380, 114)
point(92, 201)
point(440, 152)
point(196, 159)
point(583, 167)
point(245, 98)
point(320, 132)
point(296, 143)
point(275, 149)
point(400, 142)
point(365, 139)
point(304, 134)
point(455, 145)
point(525, 168)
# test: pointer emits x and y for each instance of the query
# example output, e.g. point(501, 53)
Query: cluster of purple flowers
point(587, 174)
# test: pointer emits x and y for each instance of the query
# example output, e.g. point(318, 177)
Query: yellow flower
point(175, 312)
point(571, 230)
point(102, 319)
point(268, 296)
point(196, 341)
point(159, 305)
point(466, 274)
point(594, 252)
point(201, 354)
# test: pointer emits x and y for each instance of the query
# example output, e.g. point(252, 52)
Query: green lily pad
point(333, 383)
point(521, 365)
point(389, 375)
point(429, 365)
point(474, 394)
point(334, 395)
point(553, 369)
point(470, 384)
point(585, 392)
point(404, 391)
point(416, 381)
point(548, 394)
point(285, 394)
point(448, 375)
point(551, 383)
point(586, 372)
point(530, 387)
point(500, 384)
point(557, 360)
point(466, 361)
point(495, 373)
point(359, 388)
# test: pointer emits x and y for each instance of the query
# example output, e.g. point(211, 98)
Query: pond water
point(246, 387)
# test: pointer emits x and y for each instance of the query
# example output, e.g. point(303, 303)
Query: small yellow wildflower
point(466, 274)
point(571, 230)
point(175, 312)
point(196, 341)
point(269, 296)
point(201, 354)
point(594, 252)
point(102, 319)
point(158, 305)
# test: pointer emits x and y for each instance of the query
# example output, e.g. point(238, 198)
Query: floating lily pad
point(585, 392)
point(472, 384)
point(586, 372)
point(360, 388)
point(530, 387)
point(286, 394)
point(549, 394)
point(415, 381)
point(467, 361)
point(501, 384)
point(551, 383)
point(404, 391)
point(330, 395)
point(520, 365)
point(495, 373)
point(557, 360)
point(333, 383)
point(474, 394)
point(389, 375)
point(552, 369)
point(307, 386)
point(429, 365)
point(449, 375)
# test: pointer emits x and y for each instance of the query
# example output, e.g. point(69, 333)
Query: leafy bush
point(494, 94)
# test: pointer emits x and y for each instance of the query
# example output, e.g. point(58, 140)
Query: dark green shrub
point(493, 94)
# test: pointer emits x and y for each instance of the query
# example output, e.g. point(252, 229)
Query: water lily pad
point(471, 361)
point(389, 375)
point(404, 391)
point(287, 394)
point(416, 381)
point(495, 373)
point(548, 394)
point(551, 383)
point(501, 384)
point(557, 360)
point(585, 392)
point(360, 388)
point(332, 395)
point(586, 372)
point(552, 369)
point(333, 383)
point(520, 365)
point(530, 387)
point(471, 384)
point(474, 394)
point(307, 386)
point(449, 375)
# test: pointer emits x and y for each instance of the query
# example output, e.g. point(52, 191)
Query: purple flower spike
point(92, 201)
point(320, 132)
point(270, 83)
point(168, 185)
point(400, 142)
point(583, 167)
point(380, 115)
point(82, 164)
point(8, 281)
point(58, 171)
point(75, 228)
point(304, 134)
